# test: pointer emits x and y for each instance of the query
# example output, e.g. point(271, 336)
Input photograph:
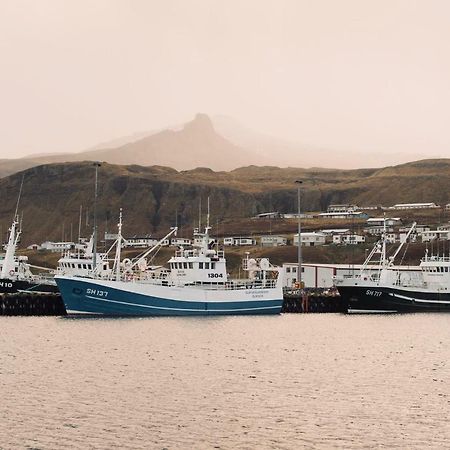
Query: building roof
point(413, 204)
point(335, 230)
point(381, 219)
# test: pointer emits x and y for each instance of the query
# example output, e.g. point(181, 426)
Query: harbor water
point(289, 381)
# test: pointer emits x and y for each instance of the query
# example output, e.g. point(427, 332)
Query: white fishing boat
point(15, 271)
point(195, 282)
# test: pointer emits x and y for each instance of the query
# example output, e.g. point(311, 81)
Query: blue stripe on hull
point(120, 303)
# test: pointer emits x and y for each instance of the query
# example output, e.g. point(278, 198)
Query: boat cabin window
point(200, 265)
point(213, 265)
point(191, 265)
point(185, 265)
point(207, 265)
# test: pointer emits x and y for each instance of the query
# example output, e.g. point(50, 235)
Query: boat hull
point(117, 298)
point(376, 299)
point(8, 286)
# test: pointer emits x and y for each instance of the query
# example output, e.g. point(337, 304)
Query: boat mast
point(94, 247)
point(403, 243)
point(13, 239)
point(383, 250)
point(119, 247)
point(8, 263)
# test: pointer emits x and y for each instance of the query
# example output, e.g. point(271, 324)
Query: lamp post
point(299, 241)
point(94, 243)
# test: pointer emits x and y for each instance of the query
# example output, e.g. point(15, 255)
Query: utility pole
point(299, 230)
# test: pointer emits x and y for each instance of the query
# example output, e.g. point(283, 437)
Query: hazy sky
point(353, 74)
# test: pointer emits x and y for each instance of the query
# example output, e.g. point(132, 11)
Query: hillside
point(153, 198)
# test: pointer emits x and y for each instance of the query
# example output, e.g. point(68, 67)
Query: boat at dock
point(195, 283)
point(15, 271)
point(391, 289)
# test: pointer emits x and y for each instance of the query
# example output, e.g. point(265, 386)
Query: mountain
point(154, 198)
point(195, 144)
point(192, 145)
point(282, 152)
point(220, 143)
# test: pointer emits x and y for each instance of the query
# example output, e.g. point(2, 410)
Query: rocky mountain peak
point(201, 123)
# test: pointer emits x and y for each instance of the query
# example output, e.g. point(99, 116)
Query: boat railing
point(434, 259)
point(237, 285)
point(224, 286)
point(362, 276)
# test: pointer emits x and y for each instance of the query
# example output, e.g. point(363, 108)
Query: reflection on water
point(290, 381)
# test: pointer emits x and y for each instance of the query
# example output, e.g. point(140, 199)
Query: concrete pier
point(31, 304)
point(312, 301)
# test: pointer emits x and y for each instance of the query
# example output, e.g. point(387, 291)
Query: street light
point(299, 241)
point(94, 243)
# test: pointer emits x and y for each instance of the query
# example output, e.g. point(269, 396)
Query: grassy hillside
point(154, 198)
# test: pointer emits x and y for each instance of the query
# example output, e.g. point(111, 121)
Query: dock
point(312, 301)
point(31, 304)
point(37, 304)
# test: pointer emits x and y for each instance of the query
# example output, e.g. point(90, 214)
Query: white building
point(57, 246)
point(445, 227)
point(414, 206)
point(269, 215)
point(402, 237)
point(348, 239)
point(178, 241)
point(334, 231)
point(343, 215)
point(239, 241)
point(428, 236)
point(273, 241)
point(417, 229)
point(342, 208)
point(322, 275)
point(197, 242)
point(391, 238)
point(310, 239)
point(140, 242)
point(379, 221)
point(377, 231)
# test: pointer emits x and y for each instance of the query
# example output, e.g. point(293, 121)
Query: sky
point(358, 75)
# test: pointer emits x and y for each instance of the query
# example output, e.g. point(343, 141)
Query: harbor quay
point(31, 304)
point(50, 304)
point(312, 301)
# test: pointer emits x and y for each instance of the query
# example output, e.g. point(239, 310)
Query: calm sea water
point(290, 381)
